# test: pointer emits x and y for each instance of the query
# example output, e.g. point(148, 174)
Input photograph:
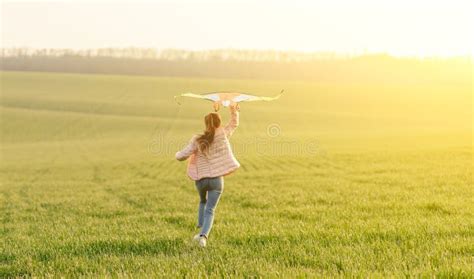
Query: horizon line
point(323, 53)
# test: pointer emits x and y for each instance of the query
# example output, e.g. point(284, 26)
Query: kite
point(227, 98)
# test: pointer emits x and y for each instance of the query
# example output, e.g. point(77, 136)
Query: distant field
point(342, 179)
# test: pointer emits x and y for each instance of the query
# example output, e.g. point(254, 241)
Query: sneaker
point(197, 237)
point(202, 241)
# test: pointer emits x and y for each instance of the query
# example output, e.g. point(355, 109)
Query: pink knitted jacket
point(219, 161)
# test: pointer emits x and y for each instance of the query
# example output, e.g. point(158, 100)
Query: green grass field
point(364, 180)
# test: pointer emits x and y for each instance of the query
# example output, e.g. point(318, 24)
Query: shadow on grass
point(435, 208)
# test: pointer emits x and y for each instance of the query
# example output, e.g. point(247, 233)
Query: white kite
point(227, 98)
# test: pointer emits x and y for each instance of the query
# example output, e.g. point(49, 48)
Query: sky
point(397, 27)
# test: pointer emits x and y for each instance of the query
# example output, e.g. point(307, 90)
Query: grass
point(362, 180)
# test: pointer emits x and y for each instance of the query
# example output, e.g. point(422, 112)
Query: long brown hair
point(212, 121)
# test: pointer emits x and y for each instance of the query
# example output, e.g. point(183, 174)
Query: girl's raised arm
point(234, 120)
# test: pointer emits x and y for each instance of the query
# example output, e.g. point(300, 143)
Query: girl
point(210, 159)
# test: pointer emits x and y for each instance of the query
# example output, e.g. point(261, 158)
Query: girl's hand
point(234, 106)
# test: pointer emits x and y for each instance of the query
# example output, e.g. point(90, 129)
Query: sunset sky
point(421, 28)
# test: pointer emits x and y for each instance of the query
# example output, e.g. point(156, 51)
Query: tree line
point(245, 64)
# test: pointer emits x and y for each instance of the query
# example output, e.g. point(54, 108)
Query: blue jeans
point(210, 190)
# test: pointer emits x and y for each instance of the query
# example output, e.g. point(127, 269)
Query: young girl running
point(210, 159)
